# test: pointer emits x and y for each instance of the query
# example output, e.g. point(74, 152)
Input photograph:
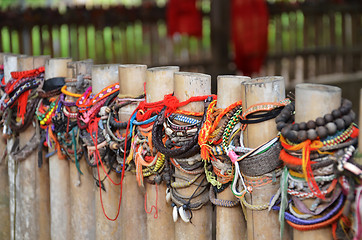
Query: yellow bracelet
point(64, 90)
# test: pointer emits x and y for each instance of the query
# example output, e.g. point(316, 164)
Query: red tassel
point(22, 103)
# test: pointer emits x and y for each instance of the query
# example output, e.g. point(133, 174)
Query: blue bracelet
point(185, 119)
point(152, 119)
point(133, 121)
point(330, 214)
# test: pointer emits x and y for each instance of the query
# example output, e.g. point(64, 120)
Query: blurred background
point(317, 41)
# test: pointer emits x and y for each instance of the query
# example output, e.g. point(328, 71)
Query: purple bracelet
point(66, 103)
point(303, 209)
point(298, 221)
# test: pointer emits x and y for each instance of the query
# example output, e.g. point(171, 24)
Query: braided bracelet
point(183, 152)
point(259, 207)
point(27, 86)
point(221, 202)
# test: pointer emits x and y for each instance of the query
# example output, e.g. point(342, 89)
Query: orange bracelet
point(70, 94)
point(317, 225)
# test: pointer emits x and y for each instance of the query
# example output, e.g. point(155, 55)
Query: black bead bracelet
point(328, 125)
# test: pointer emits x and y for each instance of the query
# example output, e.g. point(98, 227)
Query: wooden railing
point(306, 40)
point(309, 41)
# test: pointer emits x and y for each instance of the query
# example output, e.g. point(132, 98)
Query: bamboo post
point(11, 65)
point(4, 185)
point(228, 92)
point(133, 216)
point(188, 85)
point(262, 224)
point(159, 82)
point(103, 76)
point(82, 187)
point(313, 101)
point(25, 177)
point(58, 170)
point(32, 200)
point(42, 182)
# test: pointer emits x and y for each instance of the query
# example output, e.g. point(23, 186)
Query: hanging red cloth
point(249, 28)
point(183, 17)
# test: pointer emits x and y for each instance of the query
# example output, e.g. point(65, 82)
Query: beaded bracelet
point(321, 127)
point(69, 114)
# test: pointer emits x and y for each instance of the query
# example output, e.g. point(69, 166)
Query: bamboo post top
point(10, 65)
point(83, 67)
point(189, 85)
point(131, 79)
point(39, 61)
point(315, 100)
point(56, 67)
point(161, 80)
point(25, 63)
point(164, 69)
point(229, 89)
point(264, 89)
point(104, 75)
point(260, 90)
